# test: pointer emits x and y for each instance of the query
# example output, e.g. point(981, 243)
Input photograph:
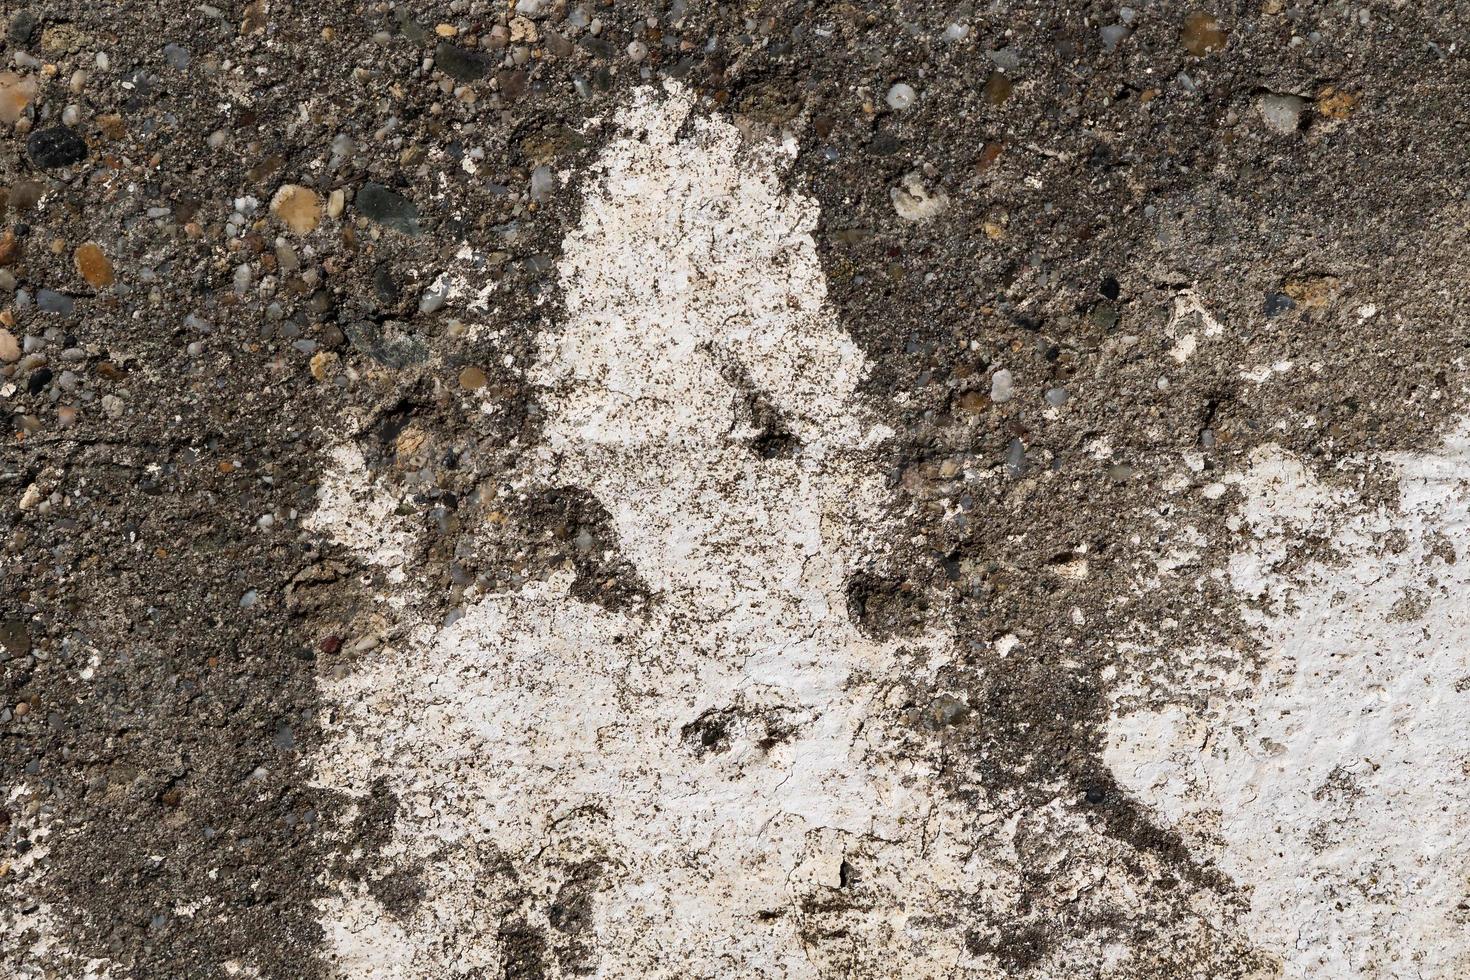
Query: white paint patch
point(1189, 309)
point(1335, 787)
point(539, 736)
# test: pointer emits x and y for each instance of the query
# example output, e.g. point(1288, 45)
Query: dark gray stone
point(459, 64)
point(388, 208)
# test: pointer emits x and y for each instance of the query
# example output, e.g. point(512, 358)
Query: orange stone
point(1334, 103)
point(15, 94)
point(9, 248)
point(93, 265)
point(1202, 34)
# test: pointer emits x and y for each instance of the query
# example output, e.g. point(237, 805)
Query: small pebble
point(998, 88)
point(388, 208)
point(55, 147)
point(1113, 35)
point(471, 378)
point(175, 56)
point(523, 31)
point(23, 27)
point(542, 182)
point(1282, 113)
point(1006, 59)
point(1015, 458)
point(93, 265)
point(1001, 386)
point(915, 202)
point(1278, 303)
point(1202, 34)
point(298, 207)
point(460, 64)
point(434, 298)
point(50, 301)
point(343, 149)
point(16, 93)
point(900, 97)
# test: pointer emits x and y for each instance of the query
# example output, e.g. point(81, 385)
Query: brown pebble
point(93, 265)
point(9, 347)
point(26, 194)
point(1202, 34)
point(22, 709)
point(998, 88)
point(988, 155)
point(471, 378)
point(1312, 292)
point(112, 126)
point(298, 207)
point(9, 248)
point(974, 402)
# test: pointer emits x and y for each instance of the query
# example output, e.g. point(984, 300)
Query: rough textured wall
point(787, 489)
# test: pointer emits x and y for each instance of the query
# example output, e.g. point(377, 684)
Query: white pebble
point(434, 298)
point(1282, 113)
point(1113, 35)
point(900, 96)
point(543, 182)
point(1001, 389)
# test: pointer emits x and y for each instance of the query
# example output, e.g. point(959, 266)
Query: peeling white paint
point(538, 733)
point(1334, 787)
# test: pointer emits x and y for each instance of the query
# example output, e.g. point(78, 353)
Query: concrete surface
point(780, 489)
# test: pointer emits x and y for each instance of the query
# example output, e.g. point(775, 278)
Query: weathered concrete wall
point(797, 491)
